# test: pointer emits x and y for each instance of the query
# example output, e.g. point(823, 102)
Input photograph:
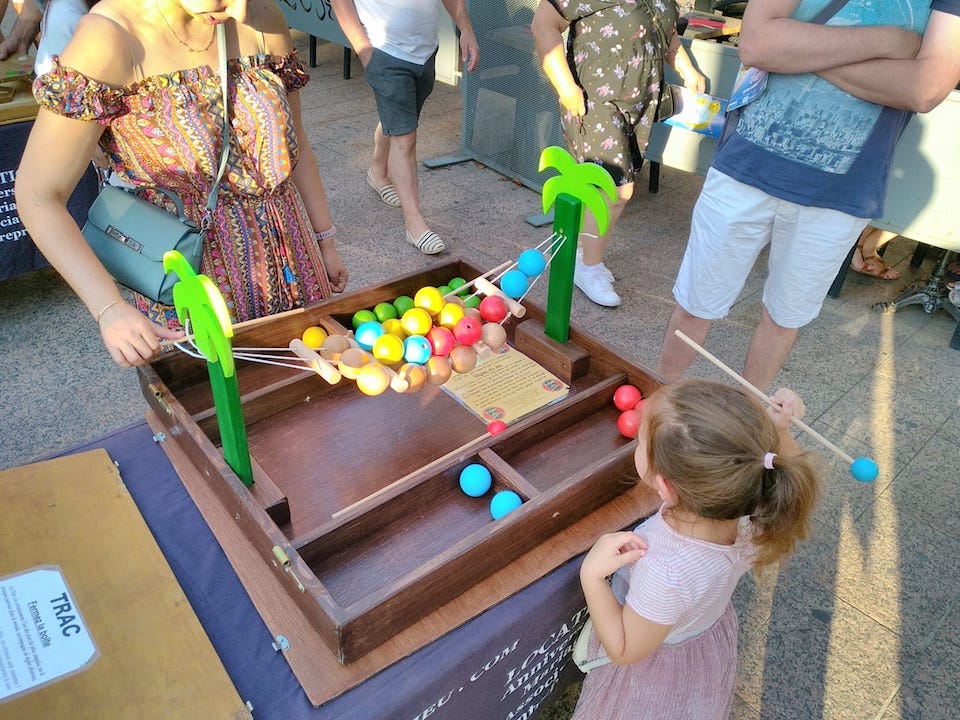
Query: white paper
point(42, 635)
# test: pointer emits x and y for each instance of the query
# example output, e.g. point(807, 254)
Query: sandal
point(953, 271)
point(387, 193)
point(872, 265)
point(429, 243)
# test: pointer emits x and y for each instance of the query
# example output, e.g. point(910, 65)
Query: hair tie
point(768, 460)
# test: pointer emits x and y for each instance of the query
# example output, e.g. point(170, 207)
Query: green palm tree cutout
point(578, 184)
point(196, 298)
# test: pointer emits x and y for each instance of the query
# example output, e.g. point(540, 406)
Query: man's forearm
point(918, 83)
point(772, 39)
point(349, 21)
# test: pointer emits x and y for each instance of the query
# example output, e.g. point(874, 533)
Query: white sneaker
point(595, 281)
point(603, 268)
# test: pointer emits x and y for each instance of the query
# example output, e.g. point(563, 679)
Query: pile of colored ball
point(629, 401)
point(476, 481)
point(416, 340)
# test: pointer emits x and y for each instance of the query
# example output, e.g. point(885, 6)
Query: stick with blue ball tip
point(863, 469)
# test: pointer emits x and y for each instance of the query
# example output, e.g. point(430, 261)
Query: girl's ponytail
point(786, 496)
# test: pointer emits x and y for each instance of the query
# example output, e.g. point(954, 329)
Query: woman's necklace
point(213, 36)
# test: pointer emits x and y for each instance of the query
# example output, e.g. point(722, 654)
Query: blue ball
point(531, 262)
point(367, 333)
point(416, 349)
point(864, 469)
point(504, 502)
point(514, 284)
point(475, 480)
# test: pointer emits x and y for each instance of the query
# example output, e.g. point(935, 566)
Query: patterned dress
point(615, 49)
point(165, 130)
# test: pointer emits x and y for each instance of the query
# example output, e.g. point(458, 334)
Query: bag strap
point(225, 150)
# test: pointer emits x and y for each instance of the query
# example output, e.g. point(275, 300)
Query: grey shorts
point(400, 89)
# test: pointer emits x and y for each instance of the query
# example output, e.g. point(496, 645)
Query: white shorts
point(732, 222)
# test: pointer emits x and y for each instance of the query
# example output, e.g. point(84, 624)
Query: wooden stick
point(323, 367)
point(488, 273)
point(762, 396)
point(462, 450)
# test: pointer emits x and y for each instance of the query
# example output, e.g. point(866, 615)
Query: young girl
point(737, 493)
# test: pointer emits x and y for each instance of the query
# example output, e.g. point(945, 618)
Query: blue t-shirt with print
point(809, 142)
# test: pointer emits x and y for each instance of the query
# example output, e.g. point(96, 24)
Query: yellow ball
point(430, 299)
point(314, 336)
point(388, 349)
point(394, 327)
point(450, 315)
point(373, 379)
point(416, 321)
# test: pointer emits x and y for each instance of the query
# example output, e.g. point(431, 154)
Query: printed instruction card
point(42, 636)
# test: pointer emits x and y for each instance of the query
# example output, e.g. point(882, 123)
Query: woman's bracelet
point(324, 234)
point(105, 308)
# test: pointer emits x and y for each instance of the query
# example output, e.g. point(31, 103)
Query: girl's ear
point(665, 489)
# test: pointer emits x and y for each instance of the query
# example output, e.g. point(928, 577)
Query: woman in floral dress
point(140, 81)
point(609, 82)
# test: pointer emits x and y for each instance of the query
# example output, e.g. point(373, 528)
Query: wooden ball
point(493, 335)
point(438, 370)
point(463, 359)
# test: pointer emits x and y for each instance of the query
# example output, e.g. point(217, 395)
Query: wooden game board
point(356, 514)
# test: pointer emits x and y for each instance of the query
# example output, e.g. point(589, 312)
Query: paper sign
point(747, 87)
point(42, 636)
point(699, 112)
point(506, 386)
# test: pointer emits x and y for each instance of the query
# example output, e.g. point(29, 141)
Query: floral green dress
point(615, 50)
point(165, 131)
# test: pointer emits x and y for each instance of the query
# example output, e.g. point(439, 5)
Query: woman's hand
point(610, 553)
point(572, 101)
point(130, 337)
point(693, 80)
point(337, 272)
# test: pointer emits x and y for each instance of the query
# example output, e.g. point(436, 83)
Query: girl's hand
point(786, 406)
point(130, 337)
point(612, 552)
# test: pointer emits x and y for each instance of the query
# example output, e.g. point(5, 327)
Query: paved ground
point(861, 624)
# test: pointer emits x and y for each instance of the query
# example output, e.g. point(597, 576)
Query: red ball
point(468, 330)
point(626, 397)
point(441, 340)
point(493, 308)
point(496, 427)
point(628, 423)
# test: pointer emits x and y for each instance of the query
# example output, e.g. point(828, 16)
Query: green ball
point(402, 304)
point(362, 316)
point(457, 282)
point(472, 301)
point(385, 311)
point(445, 290)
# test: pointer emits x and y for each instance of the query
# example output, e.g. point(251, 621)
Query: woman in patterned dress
point(140, 81)
point(608, 82)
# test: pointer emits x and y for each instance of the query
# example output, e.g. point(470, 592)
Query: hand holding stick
point(863, 469)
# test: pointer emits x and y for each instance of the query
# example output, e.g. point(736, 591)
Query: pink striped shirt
point(683, 581)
